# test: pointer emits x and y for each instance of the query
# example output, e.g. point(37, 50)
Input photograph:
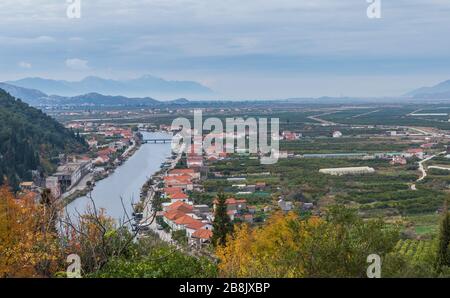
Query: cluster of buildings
point(180, 213)
point(67, 175)
point(194, 219)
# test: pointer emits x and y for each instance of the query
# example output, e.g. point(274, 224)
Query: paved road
point(422, 168)
point(80, 186)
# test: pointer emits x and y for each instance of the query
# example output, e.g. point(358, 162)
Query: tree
point(443, 253)
point(28, 247)
point(222, 225)
point(98, 238)
point(291, 246)
point(158, 261)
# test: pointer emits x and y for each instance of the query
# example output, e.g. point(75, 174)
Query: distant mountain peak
point(146, 85)
point(438, 91)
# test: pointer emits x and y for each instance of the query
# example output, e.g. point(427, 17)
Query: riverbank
point(76, 191)
point(122, 188)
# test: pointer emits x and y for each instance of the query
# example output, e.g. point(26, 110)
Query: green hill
point(30, 140)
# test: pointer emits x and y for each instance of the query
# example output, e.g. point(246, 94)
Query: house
point(398, 160)
point(185, 172)
point(260, 186)
point(284, 205)
point(417, 152)
point(192, 227)
point(184, 182)
point(290, 136)
point(170, 216)
point(201, 237)
point(168, 191)
point(233, 204)
point(27, 185)
point(337, 134)
point(181, 222)
point(183, 216)
point(71, 173)
point(179, 196)
point(180, 206)
point(101, 159)
point(201, 209)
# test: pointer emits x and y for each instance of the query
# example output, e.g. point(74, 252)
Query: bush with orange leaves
point(29, 244)
point(289, 246)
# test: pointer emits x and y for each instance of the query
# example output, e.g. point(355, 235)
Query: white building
point(337, 134)
point(347, 171)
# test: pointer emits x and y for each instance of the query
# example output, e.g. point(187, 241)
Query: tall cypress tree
point(222, 225)
point(443, 254)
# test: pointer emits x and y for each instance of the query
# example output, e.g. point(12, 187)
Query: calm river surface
point(126, 181)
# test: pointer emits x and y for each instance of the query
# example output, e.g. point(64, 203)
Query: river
point(126, 181)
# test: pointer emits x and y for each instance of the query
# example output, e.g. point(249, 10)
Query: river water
point(126, 181)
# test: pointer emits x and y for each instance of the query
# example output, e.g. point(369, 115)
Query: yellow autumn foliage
point(28, 247)
point(289, 246)
point(266, 252)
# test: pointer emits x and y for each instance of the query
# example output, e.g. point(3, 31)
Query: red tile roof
point(232, 201)
point(202, 234)
point(180, 206)
point(172, 190)
point(182, 172)
point(173, 214)
point(178, 196)
point(195, 225)
point(185, 220)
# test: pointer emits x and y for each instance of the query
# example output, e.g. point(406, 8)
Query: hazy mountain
point(143, 86)
point(439, 91)
point(37, 98)
point(31, 96)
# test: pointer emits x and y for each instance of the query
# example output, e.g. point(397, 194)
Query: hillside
point(31, 96)
point(30, 140)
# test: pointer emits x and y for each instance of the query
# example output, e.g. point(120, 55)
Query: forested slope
point(30, 140)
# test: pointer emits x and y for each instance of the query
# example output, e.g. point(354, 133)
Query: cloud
point(23, 64)
point(77, 64)
point(231, 40)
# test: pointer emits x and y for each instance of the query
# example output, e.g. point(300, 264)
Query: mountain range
point(38, 98)
point(140, 87)
point(439, 91)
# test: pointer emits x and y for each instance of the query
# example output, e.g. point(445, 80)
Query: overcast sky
point(239, 48)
